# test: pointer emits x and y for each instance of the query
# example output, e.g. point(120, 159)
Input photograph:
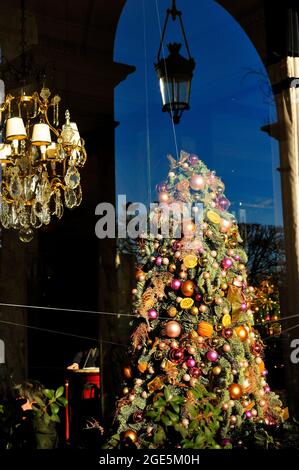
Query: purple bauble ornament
point(212, 355)
point(267, 389)
point(243, 306)
point(159, 260)
point(190, 362)
point(177, 355)
point(193, 160)
point(248, 414)
point(138, 416)
point(176, 246)
point(152, 314)
point(161, 187)
point(227, 263)
point(237, 258)
point(225, 442)
point(195, 372)
point(223, 203)
point(227, 333)
point(175, 284)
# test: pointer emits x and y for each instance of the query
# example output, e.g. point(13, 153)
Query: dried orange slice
point(190, 261)
point(226, 320)
point(186, 303)
point(213, 217)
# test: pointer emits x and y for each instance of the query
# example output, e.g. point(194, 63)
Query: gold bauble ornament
point(194, 310)
point(235, 391)
point(130, 434)
point(216, 370)
point(172, 268)
point(188, 288)
point(197, 182)
point(208, 299)
point(189, 228)
point(172, 329)
point(163, 196)
point(241, 332)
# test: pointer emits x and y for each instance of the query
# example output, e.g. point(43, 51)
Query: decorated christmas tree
point(196, 376)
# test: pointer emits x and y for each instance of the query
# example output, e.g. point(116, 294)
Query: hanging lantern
point(175, 72)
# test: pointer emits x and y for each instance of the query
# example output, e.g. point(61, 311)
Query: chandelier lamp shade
point(40, 162)
point(175, 71)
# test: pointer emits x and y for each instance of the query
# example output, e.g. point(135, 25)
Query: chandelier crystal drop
point(39, 162)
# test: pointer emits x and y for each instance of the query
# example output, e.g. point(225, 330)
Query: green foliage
point(34, 428)
point(47, 408)
point(193, 423)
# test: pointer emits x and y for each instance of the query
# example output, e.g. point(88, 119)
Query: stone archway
point(273, 29)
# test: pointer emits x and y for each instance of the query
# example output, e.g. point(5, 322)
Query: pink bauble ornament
point(175, 284)
point(225, 442)
point(159, 260)
point(191, 362)
point(193, 160)
point(212, 355)
point(152, 314)
point(177, 245)
point(197, 182)
point(227, 263)
point(223, 203)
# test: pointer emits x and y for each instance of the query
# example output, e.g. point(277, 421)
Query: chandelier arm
point(7, 103)
point(55, 131)
point(56, 183)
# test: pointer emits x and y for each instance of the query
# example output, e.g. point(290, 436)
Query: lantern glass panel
point(175, 92)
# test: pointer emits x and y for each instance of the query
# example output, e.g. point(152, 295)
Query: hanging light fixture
point(175, 72)
point(39, 161)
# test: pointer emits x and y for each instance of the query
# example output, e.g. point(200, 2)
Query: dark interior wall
point(66, 265)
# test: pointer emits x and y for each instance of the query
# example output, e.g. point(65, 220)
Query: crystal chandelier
point(39, 162)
